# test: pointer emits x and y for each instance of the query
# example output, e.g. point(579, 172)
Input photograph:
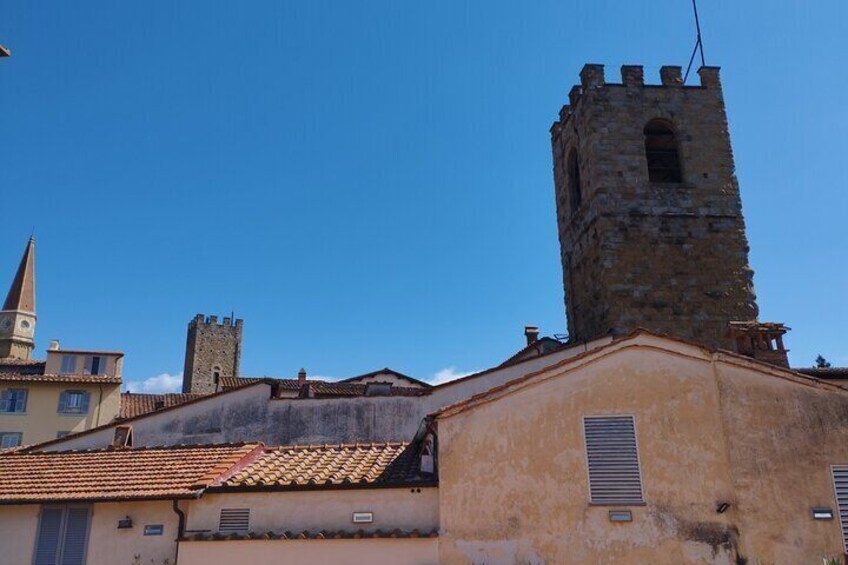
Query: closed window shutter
point(76, 534)
point(614, 476)
point(5, 401)
point(840, 485)
point(22, 399)
point(84, 402)
point(47, 543)
point(63, 401)
point(234, 520)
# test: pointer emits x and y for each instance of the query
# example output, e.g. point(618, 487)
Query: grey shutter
point(63, 401)
point(5, 401)
point(840, 485)
point(47, 542)
point(76, 535)
point(22, 400)
point(84, 402)
point(614, 476)
point(234, 520)
point(88, 362)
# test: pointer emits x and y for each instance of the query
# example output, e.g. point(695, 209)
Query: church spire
point(17, 319)
point(21, 295)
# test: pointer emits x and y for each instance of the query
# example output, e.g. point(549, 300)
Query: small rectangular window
point(69, 364)
point(13, 400)
point(613, 460)
point(73, 402)
point(10, 439)
point(234, 520)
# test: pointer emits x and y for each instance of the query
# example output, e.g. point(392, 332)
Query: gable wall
point(693, 451)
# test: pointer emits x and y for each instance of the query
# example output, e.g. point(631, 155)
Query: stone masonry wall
point(669, 257)
point(211, 347)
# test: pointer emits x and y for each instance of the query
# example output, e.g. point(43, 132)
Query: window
point(661, 152)
point(95, 365)
point(614, 476)
point(13, 400)
point(62, 535)
point(10, 439)
point(73, 402)
point(234, 520)
point(575, 195)
point(840, 485)
point(69, 364)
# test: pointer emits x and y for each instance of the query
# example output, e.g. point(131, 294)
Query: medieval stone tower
point(17, 319)
point(213, 351)
point(650, 219)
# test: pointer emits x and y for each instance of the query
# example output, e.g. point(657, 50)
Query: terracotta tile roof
point(363, 464)
point(389, 372)
point(825, 372)
point(27, 366)
point(315, 535)
point(116, 474)
point(53, 378)
point(135, 404)
point(322, 389)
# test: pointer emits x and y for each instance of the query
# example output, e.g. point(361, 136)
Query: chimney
point(301, 376)
point(54, 345)
point(531, 333)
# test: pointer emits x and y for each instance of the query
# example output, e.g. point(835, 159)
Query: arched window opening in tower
point(661, 152)
point(575, 195)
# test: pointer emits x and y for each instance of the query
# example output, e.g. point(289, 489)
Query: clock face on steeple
point(6, 323)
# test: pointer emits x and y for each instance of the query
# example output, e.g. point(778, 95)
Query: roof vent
point(54, 345)
point(378, 389)
point(532, 334)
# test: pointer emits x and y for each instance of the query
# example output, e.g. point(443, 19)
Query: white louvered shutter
point(614, 476)
point(840, 485)
point(234, 520)
point(49, 530)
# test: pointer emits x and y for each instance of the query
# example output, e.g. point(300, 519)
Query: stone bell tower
point(648, 208)
point(213, 350)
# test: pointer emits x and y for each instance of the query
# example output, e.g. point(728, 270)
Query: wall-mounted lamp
point(125, 524)
point(620, 516)
point(822, 513)
point(722, 507)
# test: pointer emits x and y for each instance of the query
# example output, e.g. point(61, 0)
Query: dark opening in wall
point(661, 152)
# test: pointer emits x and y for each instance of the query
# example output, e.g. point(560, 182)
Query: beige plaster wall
point(107, 545)
point(53, 363)
point(538, 511)
point(782, 440)
point(312, 552)
point(405, 508)
point(18, 526)
point(42, 421)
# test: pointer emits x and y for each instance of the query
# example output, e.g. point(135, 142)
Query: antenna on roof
point(699, 45)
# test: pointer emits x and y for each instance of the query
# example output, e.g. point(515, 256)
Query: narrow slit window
point(662, 153)
point(575, 191)
point(613, 460)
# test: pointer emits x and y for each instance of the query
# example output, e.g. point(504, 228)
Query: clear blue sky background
point(369, 183)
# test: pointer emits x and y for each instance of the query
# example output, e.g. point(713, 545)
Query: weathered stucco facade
point(711, 428)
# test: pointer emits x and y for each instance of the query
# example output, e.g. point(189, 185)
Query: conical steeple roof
point(21, 295)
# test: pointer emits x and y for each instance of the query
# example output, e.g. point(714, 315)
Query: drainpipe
point(180, 528)
point(99, 404)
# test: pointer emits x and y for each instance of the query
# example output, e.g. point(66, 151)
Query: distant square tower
point(213, 351)
point(650, 219)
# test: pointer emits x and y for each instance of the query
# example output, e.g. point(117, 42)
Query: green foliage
point(822, 363)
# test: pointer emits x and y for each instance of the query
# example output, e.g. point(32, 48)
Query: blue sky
point(369, 184)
